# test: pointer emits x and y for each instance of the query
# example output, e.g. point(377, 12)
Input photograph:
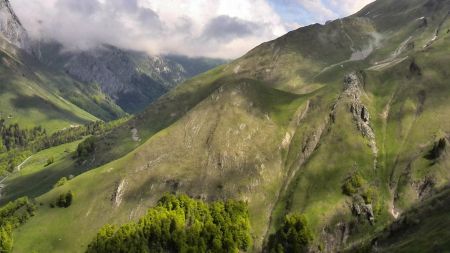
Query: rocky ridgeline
point(11, 28)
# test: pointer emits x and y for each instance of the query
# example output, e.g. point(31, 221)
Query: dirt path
point(20, 165)
point(18, 169)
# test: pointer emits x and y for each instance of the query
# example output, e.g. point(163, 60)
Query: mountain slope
point(43, 84)
point(11, 28)
point(27, 100)
point(131, 79)
point(346, 123)
point(33, 94)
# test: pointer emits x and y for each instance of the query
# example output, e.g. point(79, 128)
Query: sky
point(210, 28)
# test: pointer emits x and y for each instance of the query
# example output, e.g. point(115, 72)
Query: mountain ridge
point(11, 27)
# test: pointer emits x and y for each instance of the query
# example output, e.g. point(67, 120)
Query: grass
point(33, 94)
point(35, 178)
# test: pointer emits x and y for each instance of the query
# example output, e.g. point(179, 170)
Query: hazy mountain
point(43, 84)
point(33, 94)
point(345, 123)
point(132, 79)
point(11, 28)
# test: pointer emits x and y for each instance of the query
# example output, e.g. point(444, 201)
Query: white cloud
point(347, 7)
point(217, 28)
point(323, 10)
point(221, 28)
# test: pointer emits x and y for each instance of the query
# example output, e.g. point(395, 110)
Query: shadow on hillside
point(40, 182)
point(48, 108)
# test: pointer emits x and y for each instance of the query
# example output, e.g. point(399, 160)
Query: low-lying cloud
point(324, 10)
point(219, 28)
point(222, 28)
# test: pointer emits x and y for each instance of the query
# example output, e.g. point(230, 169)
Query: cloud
point(221, 28)
point(323, 10)
point(226, 28)
point(81, 6)
point(347, 7)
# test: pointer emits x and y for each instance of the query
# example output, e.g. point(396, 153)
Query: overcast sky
point(213, 28)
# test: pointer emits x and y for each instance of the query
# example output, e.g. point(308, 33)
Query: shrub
point(65, 200)
point(50, 160)
point(62, 181)
point(294, 236)
point(437, 150)
point(86, 148)
point(352, 184)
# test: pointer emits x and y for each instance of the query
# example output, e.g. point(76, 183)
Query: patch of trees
point(37, 139)
point(355, 184)
point(294, 236)
point(64, 200)
point(16, 144)
point(86, 148)
point(12, 216)
point(180, 224)
point(13, 136)
point(72, 134)
point(11, 159)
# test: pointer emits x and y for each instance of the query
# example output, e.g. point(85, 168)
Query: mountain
point(345, 123)
point(43, 84)
point(33, 94)
point(11, 28)
point(131, 79)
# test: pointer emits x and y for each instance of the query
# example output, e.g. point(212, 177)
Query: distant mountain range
point(131, 79)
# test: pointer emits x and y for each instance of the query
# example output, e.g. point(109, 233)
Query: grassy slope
point(221, 135)
point(423, 228)
point(29, 104)
point(35, 178)
point(253, 173)
point(32, 94)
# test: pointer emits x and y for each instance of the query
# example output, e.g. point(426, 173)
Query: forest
point(12, 216)
point(179, 223)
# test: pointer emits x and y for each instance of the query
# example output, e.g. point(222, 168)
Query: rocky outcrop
point(118, 193)
point(361, 117)
point(425, 187)
point(361, 209)
point(11, 28)
point(334, 238)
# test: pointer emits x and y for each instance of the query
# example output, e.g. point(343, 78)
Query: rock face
point(131, 79)
point(117, 75)
point(359, 110)
point(11, 28)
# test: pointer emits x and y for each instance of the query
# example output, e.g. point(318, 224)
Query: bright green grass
point(35, 178)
